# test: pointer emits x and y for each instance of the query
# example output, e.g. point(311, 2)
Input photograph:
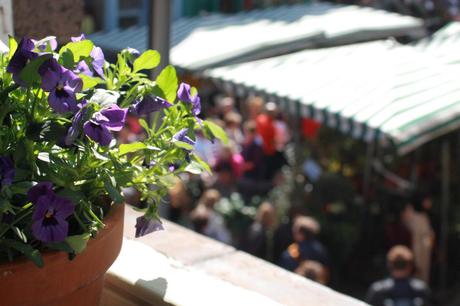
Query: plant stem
point(16, 221)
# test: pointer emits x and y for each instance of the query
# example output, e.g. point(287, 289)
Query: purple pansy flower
point(131, 54)
point(62, 85)
point(42, 44)
point(109, 119)
point(40, 189)
point(96, 54)
point(182, 136)
point(83, 68)
point(149, 104)
point(49, 217)
point(78, 38)
point(134, 52)
point(146, 226)
point(7, 171)
point(184, 94)
point(77, 124)
point(24, 53)
point(98, 61)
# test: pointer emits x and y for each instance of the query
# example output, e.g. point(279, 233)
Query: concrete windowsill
point(179, 267)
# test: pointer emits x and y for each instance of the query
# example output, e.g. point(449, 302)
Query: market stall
point(217, 39)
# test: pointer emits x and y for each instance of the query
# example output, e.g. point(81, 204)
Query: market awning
point(443, 44)
point(378, 91)
point(209, 41)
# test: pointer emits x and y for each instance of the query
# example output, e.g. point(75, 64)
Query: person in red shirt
point(265, 124)
point(266, 129)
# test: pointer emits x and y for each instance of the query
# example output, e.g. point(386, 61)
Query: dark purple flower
point(182, 136)
point(7, 171)
point(149, 104)
point(62, 85)
point(196, 106)
point(24, 53)
point(77, 124)
point(146, 226)
point(83, 68)
point(100, 125)
point(133, 52)
point(98, 61)
point(42, 44)
point(41, 189)
point(184, 94)
point(96, 54)
point(49, 218)
point(78, 38)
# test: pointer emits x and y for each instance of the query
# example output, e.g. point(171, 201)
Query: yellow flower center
point(49, 214)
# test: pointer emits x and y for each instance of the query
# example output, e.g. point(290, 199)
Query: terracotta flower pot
point(62, 282)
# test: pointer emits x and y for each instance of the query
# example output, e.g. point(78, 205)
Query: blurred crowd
point(235, 205)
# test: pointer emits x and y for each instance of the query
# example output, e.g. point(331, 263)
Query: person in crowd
point(312, 270)
point(233, 127)
point(305, 246)
point(225, 106)
point(266, 128)
point(252, 152)
point(417, 221)
point(258, 240)
point(204, 222)
point(282, 135)
point(229, 154)
point(396, 231)
point(180, 205)
point(282, 236)
point(255, 107)
point(216, 227)
point(224, 179)
point(399, 289)
point(206, 149)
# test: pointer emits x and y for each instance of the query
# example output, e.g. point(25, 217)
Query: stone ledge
point(180, 267)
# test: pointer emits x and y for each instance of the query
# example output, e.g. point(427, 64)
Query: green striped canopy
point(217, 39)
point(443, 44)
point(379, 91)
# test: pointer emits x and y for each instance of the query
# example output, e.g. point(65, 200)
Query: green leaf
point(147, 60)
point(28, 251)
point(74, 196)
point(123, 68)
point(21, 187)
point(217, 131)
point(61, 246)
point(131, 147)
point(79, 49)
point(202, 163)
point(145, 125)
point(168, 180)
point(13, 46)
point(89, 82)
point(114, 193)
point(78, 242)
point(194, 168)
point(19, 233)
point(167, 82)
point(66, 59)
point(30, 72)
point(183, 145)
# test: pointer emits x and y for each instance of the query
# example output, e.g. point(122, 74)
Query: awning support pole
point(368, 169)
point(444, 232)
point(159, 31)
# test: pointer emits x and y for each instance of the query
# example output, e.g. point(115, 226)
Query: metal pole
point(368, 169)
point(159, 31)
point(444, 233)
